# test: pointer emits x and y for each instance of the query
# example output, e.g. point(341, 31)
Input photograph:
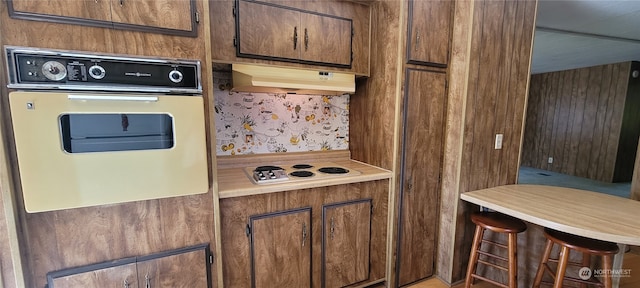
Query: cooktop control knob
point(97, 72)
point(54, 70)
point(175, 76)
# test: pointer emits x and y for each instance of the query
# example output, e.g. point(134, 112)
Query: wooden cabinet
point(274, 32)
point(331, 236)
point(263, 32)
point(429, 32)
point(159, 16)
point(346, 243)
point(281, 249)
point(187, 267)
point(425, 104)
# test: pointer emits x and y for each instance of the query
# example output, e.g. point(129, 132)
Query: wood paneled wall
point(575, 116)
point(75, 237)
point(498, 73)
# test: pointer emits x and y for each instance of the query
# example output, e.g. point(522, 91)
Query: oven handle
point(114, 98)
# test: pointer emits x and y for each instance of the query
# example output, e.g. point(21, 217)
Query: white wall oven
point(102, 129)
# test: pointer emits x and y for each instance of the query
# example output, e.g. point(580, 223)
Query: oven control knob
point(97, 72)
point(175, 76)
point(54, 70)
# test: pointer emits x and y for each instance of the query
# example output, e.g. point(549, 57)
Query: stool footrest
point(495, 243)
point(493, 256)
point(493, 265)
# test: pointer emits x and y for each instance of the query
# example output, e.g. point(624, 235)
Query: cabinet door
point(326, 39)
point(166, 14)
point(84, 9)
point(187, 269)
point(421, 164)
point(429, 32)
point(267, 31)
point(346, 243)
point(119, 275)
point(281, 249)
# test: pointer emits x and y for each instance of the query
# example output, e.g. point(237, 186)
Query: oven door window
point(82, 133)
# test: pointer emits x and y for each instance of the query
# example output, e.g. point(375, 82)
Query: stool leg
point(513, 260)
point(563, 260)
point(473, 258)
point(586, 262)
point(543, 262)
point(607, 265)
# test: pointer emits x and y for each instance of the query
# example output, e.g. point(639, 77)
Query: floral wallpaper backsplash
point(257, 123)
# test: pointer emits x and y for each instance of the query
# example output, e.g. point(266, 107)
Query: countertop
point(235, 181)
point(579, 212)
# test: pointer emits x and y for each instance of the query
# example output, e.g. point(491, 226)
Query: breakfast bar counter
point(579, 212)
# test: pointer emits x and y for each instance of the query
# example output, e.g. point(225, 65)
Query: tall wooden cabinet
point(425, 103)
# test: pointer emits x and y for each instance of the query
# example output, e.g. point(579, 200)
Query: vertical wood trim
point(391, 276)
point(459, 67)
point(210, 125)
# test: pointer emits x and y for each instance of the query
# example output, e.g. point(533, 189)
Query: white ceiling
point(581, 33)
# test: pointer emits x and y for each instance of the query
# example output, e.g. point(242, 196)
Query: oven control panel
point(32, 68)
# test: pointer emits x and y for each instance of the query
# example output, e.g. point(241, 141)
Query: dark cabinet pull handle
point(295, 38)
point(126, 283)
point(410, 184)
point(417, 39)
point(121, 3)
point(306, 40)
point(304, 233)
point(333, 227)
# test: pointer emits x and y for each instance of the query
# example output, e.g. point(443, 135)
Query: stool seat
point(581, 244)
point(498, 223)
point(586, 246)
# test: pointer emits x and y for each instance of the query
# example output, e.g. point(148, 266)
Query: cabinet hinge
point(371, 210)
point(248, 230)
point(197, 17)
point(211, 259)
point(235, 42)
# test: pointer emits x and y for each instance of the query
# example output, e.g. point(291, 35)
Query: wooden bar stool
point(498, 223)
point(584, 245)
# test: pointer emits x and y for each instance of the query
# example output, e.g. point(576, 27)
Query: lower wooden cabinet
point(186, 267)
point(346, 243)
point(322, 237)
point(281, 249)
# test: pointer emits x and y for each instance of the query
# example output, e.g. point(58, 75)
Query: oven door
point(78, 150)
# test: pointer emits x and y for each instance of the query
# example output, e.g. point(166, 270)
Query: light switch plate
point(498, 143)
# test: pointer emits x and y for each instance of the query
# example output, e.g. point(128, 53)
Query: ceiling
point(581, 33)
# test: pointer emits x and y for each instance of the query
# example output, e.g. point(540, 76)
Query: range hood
point(254, 78)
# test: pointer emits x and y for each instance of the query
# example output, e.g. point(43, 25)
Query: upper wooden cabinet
point(429, 32)
point(300, 34)
point(157, 16)
point(186, 267)
point(273, 32)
